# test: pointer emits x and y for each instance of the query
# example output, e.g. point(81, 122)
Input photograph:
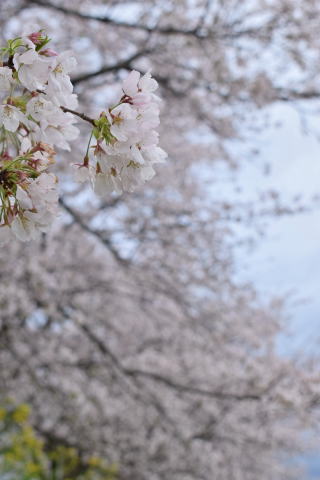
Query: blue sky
point(287, 259)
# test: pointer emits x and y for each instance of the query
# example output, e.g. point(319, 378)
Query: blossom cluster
point(37, 115)
point(34, 84)
point(126, 142)
point(28, 193)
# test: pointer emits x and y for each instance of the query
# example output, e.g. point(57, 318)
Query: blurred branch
point(117, 23)
point(111, 68)
point(287, 95)
point(197, 32)
point(126, 64)
point(168, 382)
point(105, 241)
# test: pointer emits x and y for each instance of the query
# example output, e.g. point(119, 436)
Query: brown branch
point(126, 64)
point(287, 95)
point(156, 377)
point(95, 233)
point(78, 114)
point(188, 388)
point(197, 32)
point(117, 23)
point(9, 63)
point(162, 80)
point(83, 116)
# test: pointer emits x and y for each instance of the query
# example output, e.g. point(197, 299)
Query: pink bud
point(5, 156)
point(22, 176)
point(35, 37)
point(48, 52)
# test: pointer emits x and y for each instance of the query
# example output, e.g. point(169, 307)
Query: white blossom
point(59, 87)
point(10, 117)
point(140, 89)
point(38, 200)
point(61, 97)
point(127, 162)
point(39, 121)
point(22, 228)
point(42, 110)
point(61, 66)
point(61, 131)
point(32, 68)
point(83, 173)
point(23, 198)
point(5, 78)
point(123, 121)
point(103, 184)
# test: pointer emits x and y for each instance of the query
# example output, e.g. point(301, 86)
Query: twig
point(78, 114)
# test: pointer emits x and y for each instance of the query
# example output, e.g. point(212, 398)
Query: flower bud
point(48, 52)
point(36, 37)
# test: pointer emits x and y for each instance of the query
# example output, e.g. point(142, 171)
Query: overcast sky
point(288, 257)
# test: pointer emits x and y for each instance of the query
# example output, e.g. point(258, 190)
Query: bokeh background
point(173, 333)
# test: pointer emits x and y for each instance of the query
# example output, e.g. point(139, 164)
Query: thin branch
point(287, 95)
point(136, 373)
point(117, 23)
point(162, 80)
point(190, 389)
point(196, 32)
point(78, 114)
point(126, 64)
point(105, 241)
point(83, 116)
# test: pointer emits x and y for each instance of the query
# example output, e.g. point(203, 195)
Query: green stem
point(87, 152)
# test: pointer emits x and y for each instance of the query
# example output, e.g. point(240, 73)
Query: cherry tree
point(124, 327)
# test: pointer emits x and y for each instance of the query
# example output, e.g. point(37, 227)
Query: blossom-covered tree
point(124, 327)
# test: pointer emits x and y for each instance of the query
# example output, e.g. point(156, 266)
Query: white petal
point(147, 83)
point(118, 132)
point(5, 78)
point(22, 230)
point(147, 172)
point(136, 155)
point(23, 198)
point(100, 186)
point(5, 234)
point(28, 57)
point(25, 145)
point(130, 84)
point(81, 173)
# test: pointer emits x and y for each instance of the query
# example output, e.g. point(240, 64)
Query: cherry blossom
point(32, 68)
point(10, 117)
point(39, 203)
point(122, 123)
point(127, 142)
point(5, 78)
point(38, 114)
